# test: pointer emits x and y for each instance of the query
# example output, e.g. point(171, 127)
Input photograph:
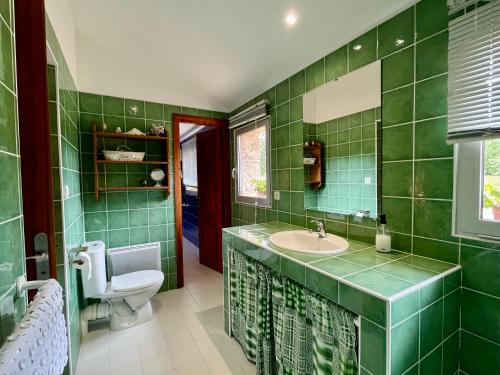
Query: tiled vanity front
point(408, 305)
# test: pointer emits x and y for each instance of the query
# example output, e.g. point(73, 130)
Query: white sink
point(309, 242)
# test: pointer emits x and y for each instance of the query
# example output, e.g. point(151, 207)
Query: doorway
point(202, 190)
point(189, 135)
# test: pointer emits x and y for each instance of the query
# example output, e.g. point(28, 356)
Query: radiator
point(39, 344)
point(128, 259)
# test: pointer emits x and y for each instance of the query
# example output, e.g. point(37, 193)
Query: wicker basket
point(123, 153)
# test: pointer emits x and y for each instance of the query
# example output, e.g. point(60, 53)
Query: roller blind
point(250, 114)
point(189, 163)
point(474, 75)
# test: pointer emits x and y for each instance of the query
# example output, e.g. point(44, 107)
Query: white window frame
point(262, 202)
point(468, 191)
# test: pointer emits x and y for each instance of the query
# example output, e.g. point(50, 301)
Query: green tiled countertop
point(387, 276)
point(408, 306)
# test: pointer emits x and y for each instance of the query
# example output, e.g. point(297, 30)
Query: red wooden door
point(34, 132)
point(210, 190)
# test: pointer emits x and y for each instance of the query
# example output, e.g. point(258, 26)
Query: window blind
point(474, 75)
point(459, 5)
point(252, 113)
point(189, 163)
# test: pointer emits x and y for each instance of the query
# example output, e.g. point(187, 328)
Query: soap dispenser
point(383, 237)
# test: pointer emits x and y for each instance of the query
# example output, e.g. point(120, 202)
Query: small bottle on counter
point(383, 237)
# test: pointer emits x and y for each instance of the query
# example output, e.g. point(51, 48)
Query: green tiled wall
point(56, 175)
point(417, 164)
point(349, 156)
point(11, 215)
point(124, 218)
point(68, 211)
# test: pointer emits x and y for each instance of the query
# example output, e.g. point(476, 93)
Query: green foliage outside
point(492, 162)
point(491, 193)
point(262, 154)
point(259, 184)
point(491, 196)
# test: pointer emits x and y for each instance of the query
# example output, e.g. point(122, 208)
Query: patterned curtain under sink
point(285, 328)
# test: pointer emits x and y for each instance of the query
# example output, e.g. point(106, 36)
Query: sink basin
point(304, 241)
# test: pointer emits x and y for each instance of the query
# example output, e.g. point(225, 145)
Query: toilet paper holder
point(84, 258)
point(77, 251)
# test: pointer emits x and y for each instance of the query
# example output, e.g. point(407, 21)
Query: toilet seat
point(135, 280)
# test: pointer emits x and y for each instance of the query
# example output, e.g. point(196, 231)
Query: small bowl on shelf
point(309, 161)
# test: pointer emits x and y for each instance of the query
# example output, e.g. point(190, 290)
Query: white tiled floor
point(185, 337)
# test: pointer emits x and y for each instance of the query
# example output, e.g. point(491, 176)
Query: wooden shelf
point(131, 162)
point(120, 188)
point(149, 138)
point(130, 136)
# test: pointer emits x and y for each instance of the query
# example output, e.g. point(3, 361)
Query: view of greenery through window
point(252, 163)
point(491, 185)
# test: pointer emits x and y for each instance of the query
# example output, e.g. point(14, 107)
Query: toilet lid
point(136, 280)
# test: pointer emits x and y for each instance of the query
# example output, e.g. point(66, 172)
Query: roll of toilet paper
point(83, 262)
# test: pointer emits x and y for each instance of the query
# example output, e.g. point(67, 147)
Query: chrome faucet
point(320, 228)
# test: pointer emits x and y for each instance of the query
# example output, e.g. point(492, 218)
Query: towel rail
point(39, 343)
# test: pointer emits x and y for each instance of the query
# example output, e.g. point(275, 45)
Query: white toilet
point(126, 298)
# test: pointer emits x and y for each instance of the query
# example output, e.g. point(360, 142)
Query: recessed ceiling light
point(291, 19)
point(357, 47)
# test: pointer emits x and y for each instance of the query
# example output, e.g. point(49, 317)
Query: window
point(252, 172)
point(189, 166)
point(474, 121)
point(477, 190)
point(491, 180)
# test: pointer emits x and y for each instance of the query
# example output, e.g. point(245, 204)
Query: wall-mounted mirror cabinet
point(341, 144)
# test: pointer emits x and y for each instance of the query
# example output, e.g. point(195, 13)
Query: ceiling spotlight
point(291, 19)
point(357, 47)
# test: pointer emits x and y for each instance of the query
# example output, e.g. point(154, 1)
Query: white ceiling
point(210, 54)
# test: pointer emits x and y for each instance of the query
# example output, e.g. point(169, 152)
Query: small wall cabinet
point(313, 171)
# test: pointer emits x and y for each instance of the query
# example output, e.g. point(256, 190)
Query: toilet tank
point(97, 282)
point(129, 259)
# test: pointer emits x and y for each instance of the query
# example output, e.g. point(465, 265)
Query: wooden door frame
point(34, 127)
point(177, 119)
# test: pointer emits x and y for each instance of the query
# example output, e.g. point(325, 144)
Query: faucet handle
point(320, 227)
point(320, 224)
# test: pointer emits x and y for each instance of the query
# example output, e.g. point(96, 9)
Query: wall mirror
point(341, 144)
